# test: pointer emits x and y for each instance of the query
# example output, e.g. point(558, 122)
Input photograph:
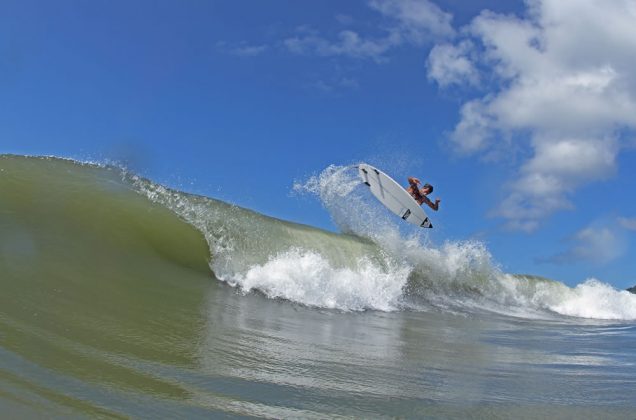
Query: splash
point(339, 190)
point(592, 299)
point(308, 277)
point(457, 275)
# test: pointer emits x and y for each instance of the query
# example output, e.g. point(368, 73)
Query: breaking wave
point(374, 264)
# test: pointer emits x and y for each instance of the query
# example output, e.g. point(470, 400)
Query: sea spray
point(456, 274)
point(339, 192)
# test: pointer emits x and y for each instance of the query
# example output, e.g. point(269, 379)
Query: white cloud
point(410, 22)
point(349, 44)
point(417, 20)
point(545, 181)
point(627, 223)
point(594, 244)
point(447, 64)
point(562, 77)
point(249, 50)
point(241, 49)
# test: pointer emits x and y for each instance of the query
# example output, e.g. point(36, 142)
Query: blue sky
point(522, 114)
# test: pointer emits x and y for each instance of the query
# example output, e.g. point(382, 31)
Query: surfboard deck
point(393, 196)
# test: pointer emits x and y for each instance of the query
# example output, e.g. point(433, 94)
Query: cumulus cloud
point(593, 244)
point(448, 64)
point(560, 81)
point(409, 22)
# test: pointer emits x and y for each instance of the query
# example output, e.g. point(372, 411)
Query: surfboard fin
point(366, 182)
point(426, 223)
point(406, 214)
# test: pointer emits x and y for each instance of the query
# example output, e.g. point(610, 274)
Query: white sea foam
point(594, 299)
point(309, 278)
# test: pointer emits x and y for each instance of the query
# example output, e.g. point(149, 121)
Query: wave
point(101, 211)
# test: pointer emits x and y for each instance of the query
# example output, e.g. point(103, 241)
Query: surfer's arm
point(413, 181)
point(433, 205)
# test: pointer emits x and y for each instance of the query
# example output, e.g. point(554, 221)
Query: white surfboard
point(393, 196)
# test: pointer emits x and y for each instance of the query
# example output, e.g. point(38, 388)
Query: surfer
point(402, 201)
point(420, 195)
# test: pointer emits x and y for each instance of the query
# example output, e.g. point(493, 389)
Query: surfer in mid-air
point(420, 194)
point(405, 202)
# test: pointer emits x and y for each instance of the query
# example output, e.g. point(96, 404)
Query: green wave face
point(89, 268)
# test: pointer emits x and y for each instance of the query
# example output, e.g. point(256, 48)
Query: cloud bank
point(558, 80)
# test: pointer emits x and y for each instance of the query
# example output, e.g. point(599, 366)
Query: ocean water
point(122, 298)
